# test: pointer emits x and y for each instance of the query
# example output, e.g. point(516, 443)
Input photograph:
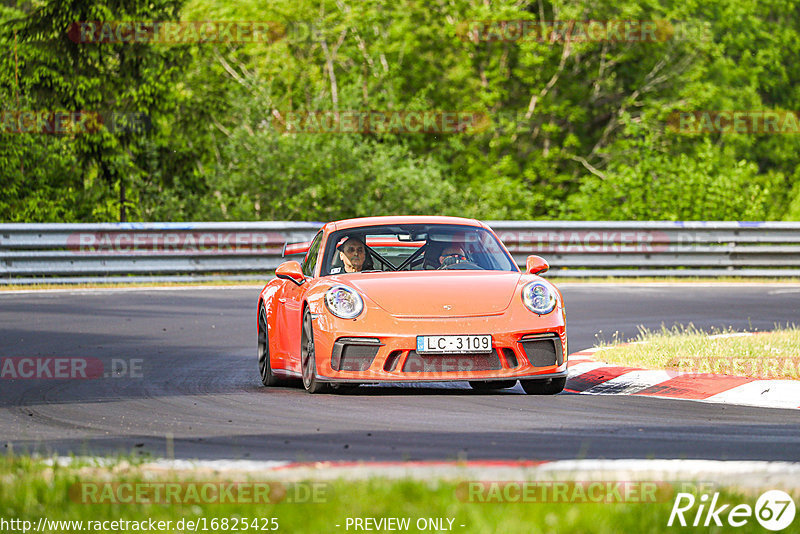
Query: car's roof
point(398, 219)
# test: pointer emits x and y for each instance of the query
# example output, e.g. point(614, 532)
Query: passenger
point(353, 254)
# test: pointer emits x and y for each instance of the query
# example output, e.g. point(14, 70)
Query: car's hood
point(439, 293)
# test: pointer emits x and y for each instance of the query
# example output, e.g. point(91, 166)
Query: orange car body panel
point(399, 306)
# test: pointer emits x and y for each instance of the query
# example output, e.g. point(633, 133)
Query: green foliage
point(578, 129)
point(705, 183)
point(53, 72)
point(314, 177)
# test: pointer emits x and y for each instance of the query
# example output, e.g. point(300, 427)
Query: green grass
point(773, 354)
point(30, 490)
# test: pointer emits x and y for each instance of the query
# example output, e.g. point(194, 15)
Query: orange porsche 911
point(411, 299)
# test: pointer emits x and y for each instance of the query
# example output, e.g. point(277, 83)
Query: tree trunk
point(123, 216)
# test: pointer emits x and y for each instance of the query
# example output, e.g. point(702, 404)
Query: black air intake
point(354, 353)
point(451, 363)
point(543, 351)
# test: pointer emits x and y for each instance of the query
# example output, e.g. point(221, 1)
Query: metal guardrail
point(136, 252)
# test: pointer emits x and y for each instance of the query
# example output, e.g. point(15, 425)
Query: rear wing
point(291, 249)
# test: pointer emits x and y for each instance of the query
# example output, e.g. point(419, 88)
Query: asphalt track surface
point(199, 393)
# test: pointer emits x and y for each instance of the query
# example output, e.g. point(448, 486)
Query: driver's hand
point(452, 259)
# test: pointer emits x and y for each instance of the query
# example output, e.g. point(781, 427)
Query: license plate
point(453, 344)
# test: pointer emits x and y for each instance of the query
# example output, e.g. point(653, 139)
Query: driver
point(454, 252)
point(353, 254)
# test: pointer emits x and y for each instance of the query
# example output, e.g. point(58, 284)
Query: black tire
point(492, 386)
point(547, 386)
point(264, 367)
point(308, 360)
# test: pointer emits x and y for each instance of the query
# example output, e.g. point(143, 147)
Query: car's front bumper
point(524, 347)
point(560, 374)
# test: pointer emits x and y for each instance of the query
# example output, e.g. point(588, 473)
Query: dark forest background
point(579, 129)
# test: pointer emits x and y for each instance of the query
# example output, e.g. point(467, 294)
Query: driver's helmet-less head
point(352, 253)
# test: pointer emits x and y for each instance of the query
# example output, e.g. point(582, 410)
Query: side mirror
point(536, 265)
point(291, 270)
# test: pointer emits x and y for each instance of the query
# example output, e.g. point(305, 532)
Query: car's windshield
point(414, 247)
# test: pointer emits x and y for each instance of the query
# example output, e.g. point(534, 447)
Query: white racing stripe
point(746, 475)
point(580, 368)
point(174, 464)
point(769, 393)
point(589, 351)
point(752, 475)
point(783, 291)
point(573, 362)
point(731, 334)
point(631, 382)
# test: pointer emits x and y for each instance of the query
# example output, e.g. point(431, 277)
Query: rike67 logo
point(774, 510)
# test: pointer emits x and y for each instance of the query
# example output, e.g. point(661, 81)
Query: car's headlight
point(344, 302)
point(539, 297)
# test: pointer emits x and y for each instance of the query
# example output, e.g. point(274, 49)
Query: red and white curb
point(746, 475)
point(591, 376)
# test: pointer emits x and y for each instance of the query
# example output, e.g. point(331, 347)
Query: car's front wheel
point(264, 366)
point(308, 360)
point(547, 386)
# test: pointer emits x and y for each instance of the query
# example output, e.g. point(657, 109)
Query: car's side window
point(311, 257)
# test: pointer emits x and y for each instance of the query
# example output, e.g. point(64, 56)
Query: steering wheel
point(452, 259)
